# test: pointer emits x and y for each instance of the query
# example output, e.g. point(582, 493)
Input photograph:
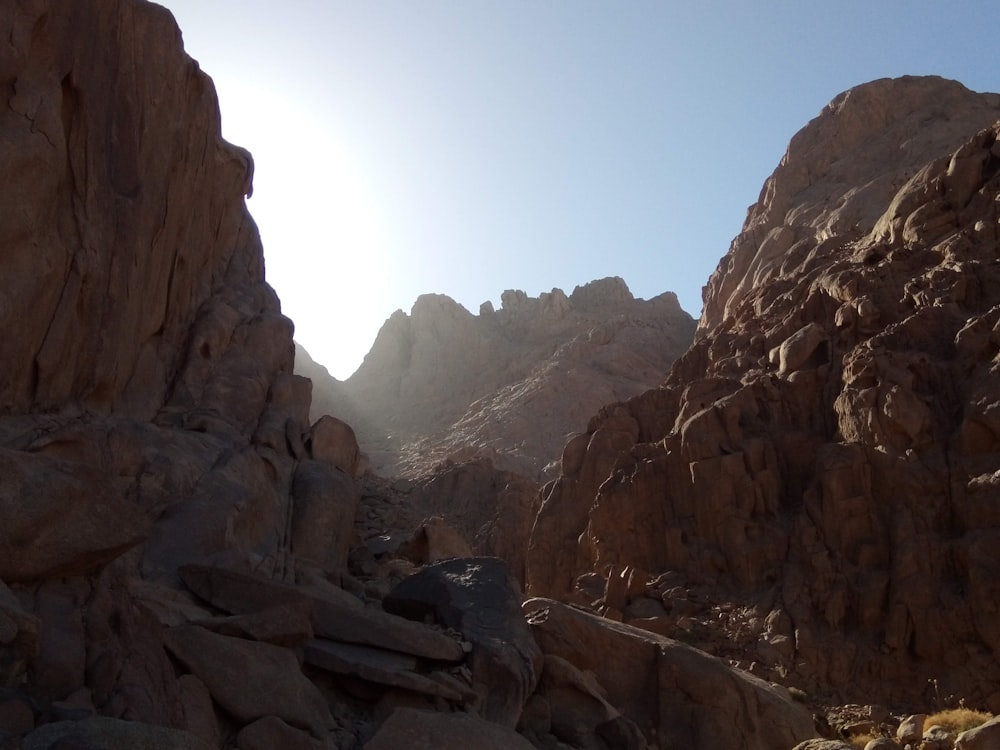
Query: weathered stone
point(324, 503)
point(284, 625)
point(984, 737)
point(882, 743)
point(491, 509)
point(477, 597)
point(20, 642)
point(332, 441)
point(911, 729)
point(936, 738)
point(60, 666)
point(341, 619)
point(17, 712)
point(199, 712)
point(375, 665)
point(59, 518)
point(110, 734)
point(672, 692)
point(818, 744)
point(433, 541)
point(271, 732)
point(251, 680)
point(422, 730)
point(578, 710)
point(836, 409)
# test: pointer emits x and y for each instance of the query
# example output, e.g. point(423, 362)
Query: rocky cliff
point(509, 385)
point(813, 492)
point(177, 558)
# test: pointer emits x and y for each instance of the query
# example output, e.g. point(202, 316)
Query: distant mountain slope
point(508, 384)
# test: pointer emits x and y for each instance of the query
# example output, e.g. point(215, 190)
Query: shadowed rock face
point(509, 384)
point(173, 533)
point(149, 416)
point(824, 457)
point(170, 522)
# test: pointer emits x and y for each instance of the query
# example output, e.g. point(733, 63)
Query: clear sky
point(466, 147)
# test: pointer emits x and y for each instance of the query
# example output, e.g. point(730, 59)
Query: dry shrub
point(858, 741)
point(957, 720)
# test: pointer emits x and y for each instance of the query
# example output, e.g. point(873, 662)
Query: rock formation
point(176, 562)
point(510, 385)
point(813, 492)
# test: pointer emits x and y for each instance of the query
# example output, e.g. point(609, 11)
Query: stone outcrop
point(442, 384)
point(178, 566)
point(671, 692)
point(490, 511)
point(813, 489)
point(187, 561)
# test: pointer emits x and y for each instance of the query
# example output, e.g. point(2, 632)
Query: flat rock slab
point(285, 625)
point(478, 597)
point(251, 680)
point(421, 730)
point(339, 618)
point(375, 665)
point(682, 696)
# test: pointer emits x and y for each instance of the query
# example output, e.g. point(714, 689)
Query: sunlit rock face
point(443, 384)
point(820, 469)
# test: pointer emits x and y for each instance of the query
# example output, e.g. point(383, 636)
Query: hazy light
point(324, 246)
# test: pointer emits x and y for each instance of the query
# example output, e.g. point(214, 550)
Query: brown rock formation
point(815, 484)
point(508, 384)
point(174, 533)
point(149, 416)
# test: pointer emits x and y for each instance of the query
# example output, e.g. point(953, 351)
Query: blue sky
point(465, 148)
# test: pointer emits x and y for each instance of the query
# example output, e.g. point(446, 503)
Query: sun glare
point(324, 248)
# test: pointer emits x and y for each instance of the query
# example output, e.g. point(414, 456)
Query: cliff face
point(174, 534)
point(149, 417)
point(814, 488)
point(508, 384)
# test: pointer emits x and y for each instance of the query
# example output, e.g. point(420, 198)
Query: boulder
point(983, 737)
point(332, 441)
point(110, 734)
point(271, 732)
point(251, 680)
point(336, 614)
point(882, 743)
point(59, 518)
point(388, 668)
point(676, 695)
point(433, 541)
point(911, 729)
point(477, 597)
point(937, 738)
point(324, 503)
point(423, 730)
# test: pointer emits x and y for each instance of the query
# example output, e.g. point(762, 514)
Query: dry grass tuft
point(858, 741)
point(957, 720)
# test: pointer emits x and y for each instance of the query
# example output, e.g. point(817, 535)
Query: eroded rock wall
point(149, 417)
point(823, 461)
